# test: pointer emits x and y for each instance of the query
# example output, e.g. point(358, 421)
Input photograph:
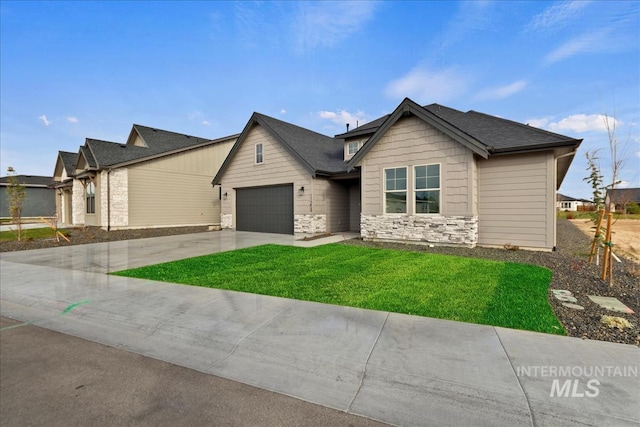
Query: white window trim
point(384, 191)
point(358, 144)
point(415, 190)
point(255, 156)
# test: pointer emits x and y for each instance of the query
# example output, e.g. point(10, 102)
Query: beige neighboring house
point(156, 179)
point(428, 174)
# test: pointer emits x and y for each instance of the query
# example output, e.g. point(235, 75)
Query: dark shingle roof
point(500, 135)
point(86, 153)
point(68, 161)
point(157, 141)
point(322, 153)
point(624, 195)
point(563, 198)
point(30, 180)
point(497, 134)
point(365, 129)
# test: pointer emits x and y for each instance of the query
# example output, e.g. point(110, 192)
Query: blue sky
point(71, 70)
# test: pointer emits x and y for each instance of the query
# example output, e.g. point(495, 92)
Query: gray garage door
point(265, 209)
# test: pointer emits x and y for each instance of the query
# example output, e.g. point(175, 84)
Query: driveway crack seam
point(366, 363)
point(526, 398)
point(247, 336)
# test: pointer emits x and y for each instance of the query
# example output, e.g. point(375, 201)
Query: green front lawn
point(447, 287)
point(31, 233)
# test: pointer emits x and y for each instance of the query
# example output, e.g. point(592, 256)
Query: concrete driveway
point(399, 369)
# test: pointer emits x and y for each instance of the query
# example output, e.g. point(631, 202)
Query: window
point(259, 158)
point(427, 189)
point(395, 190)
point(353, 148)
point(90, 195)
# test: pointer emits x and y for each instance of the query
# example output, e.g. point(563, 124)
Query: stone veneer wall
point(78, 202)
point(119, 194)
point(447, 230)
point(310, 224)
point(226, 220)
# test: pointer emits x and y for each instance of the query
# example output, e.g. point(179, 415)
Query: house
point(420, 174)
point(39, 200)
point(157, 178)
point(63, 185)
point(621, 197)
point(567, 203)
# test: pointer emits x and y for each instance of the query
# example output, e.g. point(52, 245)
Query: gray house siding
point(516, 201)
point(412, 142)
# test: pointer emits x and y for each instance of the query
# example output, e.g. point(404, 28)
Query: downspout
point(108, 200)
point(555, 184)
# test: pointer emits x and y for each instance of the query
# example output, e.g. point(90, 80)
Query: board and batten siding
point(516, 201)
point(412, 142)
point(278, 167)
point(176, 190)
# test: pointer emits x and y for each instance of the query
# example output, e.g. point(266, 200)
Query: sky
point(76, 70)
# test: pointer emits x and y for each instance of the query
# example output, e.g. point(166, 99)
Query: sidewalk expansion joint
point(366, 363)
point(526, 398)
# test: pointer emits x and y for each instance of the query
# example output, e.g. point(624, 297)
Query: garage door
point(265, 209)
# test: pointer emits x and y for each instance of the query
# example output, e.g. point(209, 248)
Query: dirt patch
point(626, 235)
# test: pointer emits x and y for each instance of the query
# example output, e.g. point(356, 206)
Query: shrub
point(633, 208)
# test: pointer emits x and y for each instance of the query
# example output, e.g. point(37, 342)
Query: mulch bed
point(569, 265)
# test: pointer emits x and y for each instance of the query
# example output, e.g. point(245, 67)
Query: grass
point(31, 233)
point(589, 215)
point(446, 287)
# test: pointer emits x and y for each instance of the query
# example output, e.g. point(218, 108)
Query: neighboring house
point(567, 203)
point(63, 174)
point(39, 200)
point(423, 174)
point(156, 179)
point(621, 197)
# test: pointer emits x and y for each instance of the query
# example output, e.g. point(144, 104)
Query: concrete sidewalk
point(399, 369)
point(53, 379)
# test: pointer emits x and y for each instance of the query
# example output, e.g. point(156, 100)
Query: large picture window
point(90, 195)
point(395, 190)
point(427, 189)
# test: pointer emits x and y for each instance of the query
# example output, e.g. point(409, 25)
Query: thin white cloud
point(586, 43)
point(429, 86)
point(206, 123)
point(556, 16)
point(502, 92)
point(283, 111)
point(342, 117)
point(577, 123)
point(325, 24)
point(72, 119)
point(43, 119)
point(471, 17)
point(539, 123)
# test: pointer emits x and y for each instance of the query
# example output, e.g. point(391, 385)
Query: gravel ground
point(569, 265)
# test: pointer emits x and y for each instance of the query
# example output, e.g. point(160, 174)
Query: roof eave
point(533, 148)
